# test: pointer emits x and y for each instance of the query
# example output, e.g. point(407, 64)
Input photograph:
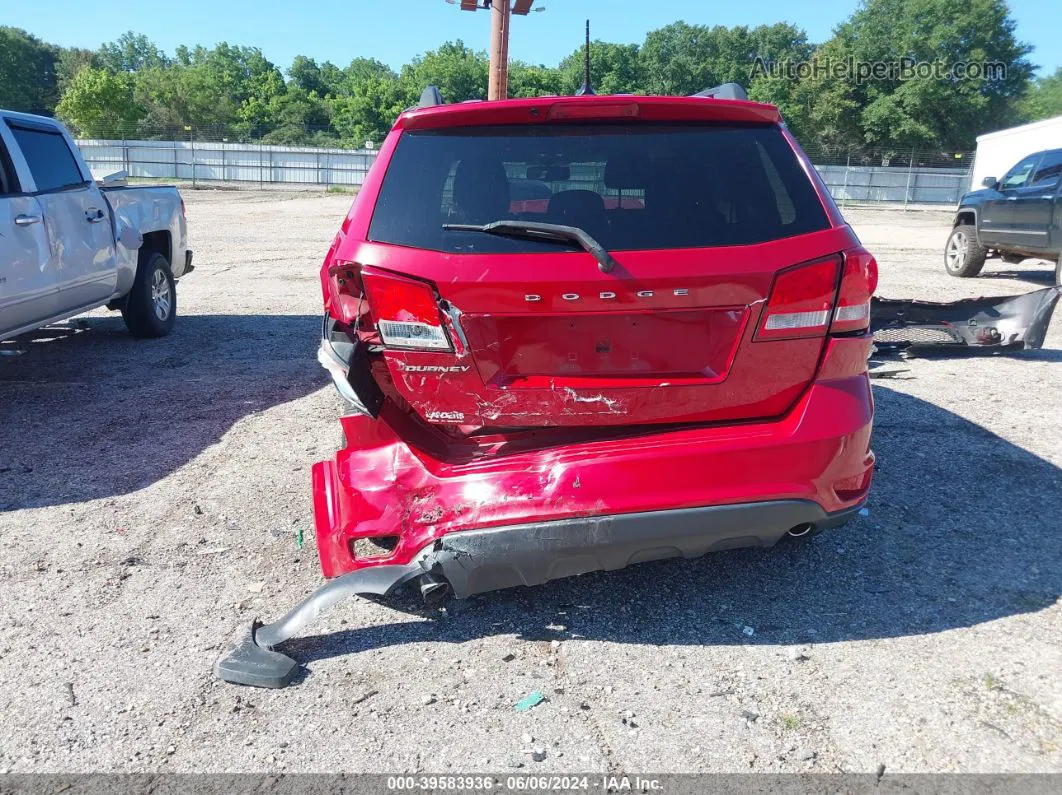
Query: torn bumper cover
point(347, 363)
point(1003, 323)
point(477, 561)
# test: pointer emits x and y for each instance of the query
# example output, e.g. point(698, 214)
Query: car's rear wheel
point(151, 306)
point(963, 255)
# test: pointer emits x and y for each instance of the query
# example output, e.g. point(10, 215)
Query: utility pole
point(500, 13)
point(498, 85)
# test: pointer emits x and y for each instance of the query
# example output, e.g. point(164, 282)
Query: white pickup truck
point(68, 245)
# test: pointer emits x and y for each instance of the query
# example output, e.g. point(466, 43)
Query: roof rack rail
point(430, 97)
point(725, 91)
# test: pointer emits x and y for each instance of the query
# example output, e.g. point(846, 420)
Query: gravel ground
point(152, 493)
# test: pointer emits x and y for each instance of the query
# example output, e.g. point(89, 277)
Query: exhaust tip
point(800, 530)
point(434, 590)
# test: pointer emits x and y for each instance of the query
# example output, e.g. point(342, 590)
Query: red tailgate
point(667, 337)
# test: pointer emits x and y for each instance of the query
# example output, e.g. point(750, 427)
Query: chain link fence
point(895, 176)
point(217, 155)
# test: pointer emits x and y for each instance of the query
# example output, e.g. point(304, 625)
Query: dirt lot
point(152, 494)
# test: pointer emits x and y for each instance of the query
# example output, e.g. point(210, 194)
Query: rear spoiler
point(431, 96)
point(725, 91)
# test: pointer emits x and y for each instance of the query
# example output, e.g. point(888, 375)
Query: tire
point(1058, 272)
point(150, 309)
point(963, 255)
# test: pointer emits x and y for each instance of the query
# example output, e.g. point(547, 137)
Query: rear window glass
point(645, 186)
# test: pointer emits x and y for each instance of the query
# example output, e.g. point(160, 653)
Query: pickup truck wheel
point(151, 307)
point(963, 255)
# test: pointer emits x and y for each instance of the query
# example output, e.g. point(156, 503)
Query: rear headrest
point(576, 201)
point(627, 171)
point(481, 191)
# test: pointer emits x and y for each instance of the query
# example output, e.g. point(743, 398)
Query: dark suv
point(1015, 217)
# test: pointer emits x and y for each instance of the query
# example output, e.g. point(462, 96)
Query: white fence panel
point(902, 185)
point(195, 161)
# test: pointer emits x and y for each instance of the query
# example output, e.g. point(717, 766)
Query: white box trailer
point(998, 151)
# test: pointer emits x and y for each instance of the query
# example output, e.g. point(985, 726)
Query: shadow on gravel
point(963, 529)
point(1044, 278)
point(89, 411)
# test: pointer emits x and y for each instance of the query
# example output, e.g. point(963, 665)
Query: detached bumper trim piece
point(477, 561)
point(1016, 322)
point(252, 661)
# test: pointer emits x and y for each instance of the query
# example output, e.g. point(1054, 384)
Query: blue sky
point(394, 31)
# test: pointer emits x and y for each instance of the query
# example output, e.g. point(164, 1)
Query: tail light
point(859, 279)
point(800, 302)
point(406, 312)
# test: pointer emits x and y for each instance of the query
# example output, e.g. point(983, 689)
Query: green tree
point(1044, 99)
point(71, 61)
point(682, 59)
point(367, 113)
point(458, 71)
point(614, 69)
point(526, 80)
point(932, 111)
point(297, 117)
point(365, 69)
point(823, 112)
point(27, 72)
point(131, 53)
point(305, 74)
point(100, 104)
point(367, 98)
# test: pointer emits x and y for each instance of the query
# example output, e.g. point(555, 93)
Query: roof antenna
point(585, 89)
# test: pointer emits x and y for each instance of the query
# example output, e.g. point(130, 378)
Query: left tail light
point(406, 312)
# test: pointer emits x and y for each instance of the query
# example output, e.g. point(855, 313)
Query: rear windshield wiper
point(538, 230)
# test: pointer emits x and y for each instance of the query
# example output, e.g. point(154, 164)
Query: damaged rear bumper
point(383, 500)
point(477, 561)
point(508, 517)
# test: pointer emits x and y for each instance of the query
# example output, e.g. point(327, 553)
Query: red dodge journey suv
point(577, 333)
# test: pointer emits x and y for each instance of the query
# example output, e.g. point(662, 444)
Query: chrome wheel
point(955, 253)
point(161, 295)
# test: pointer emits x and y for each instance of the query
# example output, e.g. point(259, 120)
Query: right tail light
point(801, 301)
point(859, 279)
